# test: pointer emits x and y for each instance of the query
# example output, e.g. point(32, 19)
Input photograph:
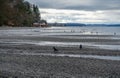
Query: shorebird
point(80, 46)
point(55, 49)
point(114, 33)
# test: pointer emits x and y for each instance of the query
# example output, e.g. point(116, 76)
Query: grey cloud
point(103, 11)
point(78, 4)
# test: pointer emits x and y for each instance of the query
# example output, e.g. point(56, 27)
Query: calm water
point(62, 31)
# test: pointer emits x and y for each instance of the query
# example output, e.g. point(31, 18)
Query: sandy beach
point(28, 53)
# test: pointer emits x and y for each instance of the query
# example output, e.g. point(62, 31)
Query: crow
point(80, 46)
point(55, 49)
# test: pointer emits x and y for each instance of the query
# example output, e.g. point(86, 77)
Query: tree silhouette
point(18, 13)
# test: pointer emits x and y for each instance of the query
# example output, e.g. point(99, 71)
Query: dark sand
point(23, 66)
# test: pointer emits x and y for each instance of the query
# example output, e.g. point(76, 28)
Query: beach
point(27, 52)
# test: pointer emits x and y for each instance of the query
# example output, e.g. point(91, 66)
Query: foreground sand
point(23, 66)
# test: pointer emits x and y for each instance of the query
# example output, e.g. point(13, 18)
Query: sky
point(79, 11)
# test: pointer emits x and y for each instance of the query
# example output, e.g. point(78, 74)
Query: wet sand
point(30, 48)
point(14, 64)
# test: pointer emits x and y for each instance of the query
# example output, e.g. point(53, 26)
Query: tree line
point(18, 13)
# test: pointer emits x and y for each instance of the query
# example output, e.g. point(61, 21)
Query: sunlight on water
point(63, 31)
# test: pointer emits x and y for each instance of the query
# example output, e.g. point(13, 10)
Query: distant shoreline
point(82, 24)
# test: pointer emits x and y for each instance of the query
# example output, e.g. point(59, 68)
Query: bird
point(114, 33)
point(55, 49)
point(80, 46)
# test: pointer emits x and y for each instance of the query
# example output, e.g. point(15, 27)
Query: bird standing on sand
point(114, 33)
point(55, 49)
point(80, 46)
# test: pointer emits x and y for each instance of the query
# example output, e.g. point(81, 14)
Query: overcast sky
point(80, 11)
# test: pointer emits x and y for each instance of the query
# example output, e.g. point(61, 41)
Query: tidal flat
point(27, 52)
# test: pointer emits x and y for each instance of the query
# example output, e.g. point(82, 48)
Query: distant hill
point(80, 24)
point(109, 25)
point(66, 24)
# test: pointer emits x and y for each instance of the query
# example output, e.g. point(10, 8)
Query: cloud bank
point(80, 11)
point(78, 4)
point(81, 16)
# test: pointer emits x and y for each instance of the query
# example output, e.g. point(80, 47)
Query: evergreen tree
point(18, 13)
point(36, 13)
